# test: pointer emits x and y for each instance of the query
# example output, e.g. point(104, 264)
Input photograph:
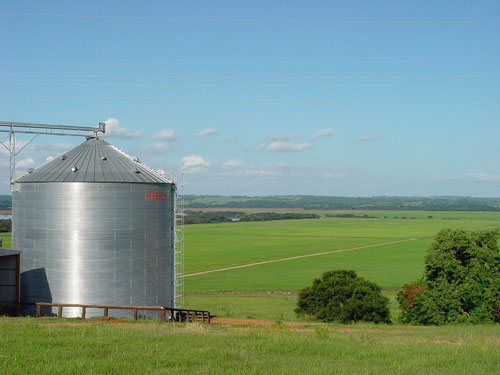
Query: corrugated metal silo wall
point(95, 243)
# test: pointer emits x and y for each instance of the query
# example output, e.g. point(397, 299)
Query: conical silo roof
point(95, 160)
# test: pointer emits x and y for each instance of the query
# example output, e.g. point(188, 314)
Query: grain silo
point(95, 226)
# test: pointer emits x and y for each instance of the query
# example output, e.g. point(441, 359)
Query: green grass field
point(269, 292)
point(211, 246)
point(255, 291)
point(52, 346)
point(6, 239)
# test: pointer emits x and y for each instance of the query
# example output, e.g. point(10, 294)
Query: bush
point(342, 296)
point(461, 281)
point(5, 225)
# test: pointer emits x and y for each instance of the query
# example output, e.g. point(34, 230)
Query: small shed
point(9, 281)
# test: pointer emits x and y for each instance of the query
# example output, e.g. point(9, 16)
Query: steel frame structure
point(86, 131)
point(40, 129)
point(179, 238)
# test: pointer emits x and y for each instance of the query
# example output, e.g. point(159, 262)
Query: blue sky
point(352, 98)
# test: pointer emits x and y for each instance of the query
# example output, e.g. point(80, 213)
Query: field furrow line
point(297, 257)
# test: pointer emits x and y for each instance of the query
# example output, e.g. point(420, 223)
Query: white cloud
point(483, 177)
point(232, 137)
point(336, 174)
point(469, 177)
point(193, 163)
point(157, 148)
point(280, 138)
point(368, 138)
point(207, 132)
point(169, 134)
point(233, 163)
point(282, 143)
point(53, 147)
point(25, 163)
point(287, 146)
point(322, 133)
point(274, 170)
point(3, 150)
point(19, 143)
point(113, 129)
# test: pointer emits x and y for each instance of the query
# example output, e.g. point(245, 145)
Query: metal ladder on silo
point(179, 243)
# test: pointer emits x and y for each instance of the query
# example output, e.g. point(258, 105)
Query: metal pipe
point(27, 128)
point(11, 124)
point(43, 133)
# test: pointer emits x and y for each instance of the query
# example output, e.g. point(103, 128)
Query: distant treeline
point(201, 217)
point(352, 216)
point(5, 202)
point(346, 203)
point(310, 202)
point(5, 225)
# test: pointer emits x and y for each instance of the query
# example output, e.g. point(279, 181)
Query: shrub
point(342, 296)
point(5, 225)
point(461, 281)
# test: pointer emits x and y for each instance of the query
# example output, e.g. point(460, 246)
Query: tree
point(5, 225)
point(344, 297)
point(461, 282)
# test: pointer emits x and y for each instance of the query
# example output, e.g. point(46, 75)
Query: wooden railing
point(174, 315)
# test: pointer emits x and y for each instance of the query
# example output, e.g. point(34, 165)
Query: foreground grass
point(50, 346)
point(6, 239)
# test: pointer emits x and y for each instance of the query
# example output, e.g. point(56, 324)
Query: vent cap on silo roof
point(95, 160)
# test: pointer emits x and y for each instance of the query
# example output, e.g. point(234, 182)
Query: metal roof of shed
point(8, 252)
point(95, 160)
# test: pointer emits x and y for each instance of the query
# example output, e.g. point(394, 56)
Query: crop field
point(388, 250)
point(268, 262)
